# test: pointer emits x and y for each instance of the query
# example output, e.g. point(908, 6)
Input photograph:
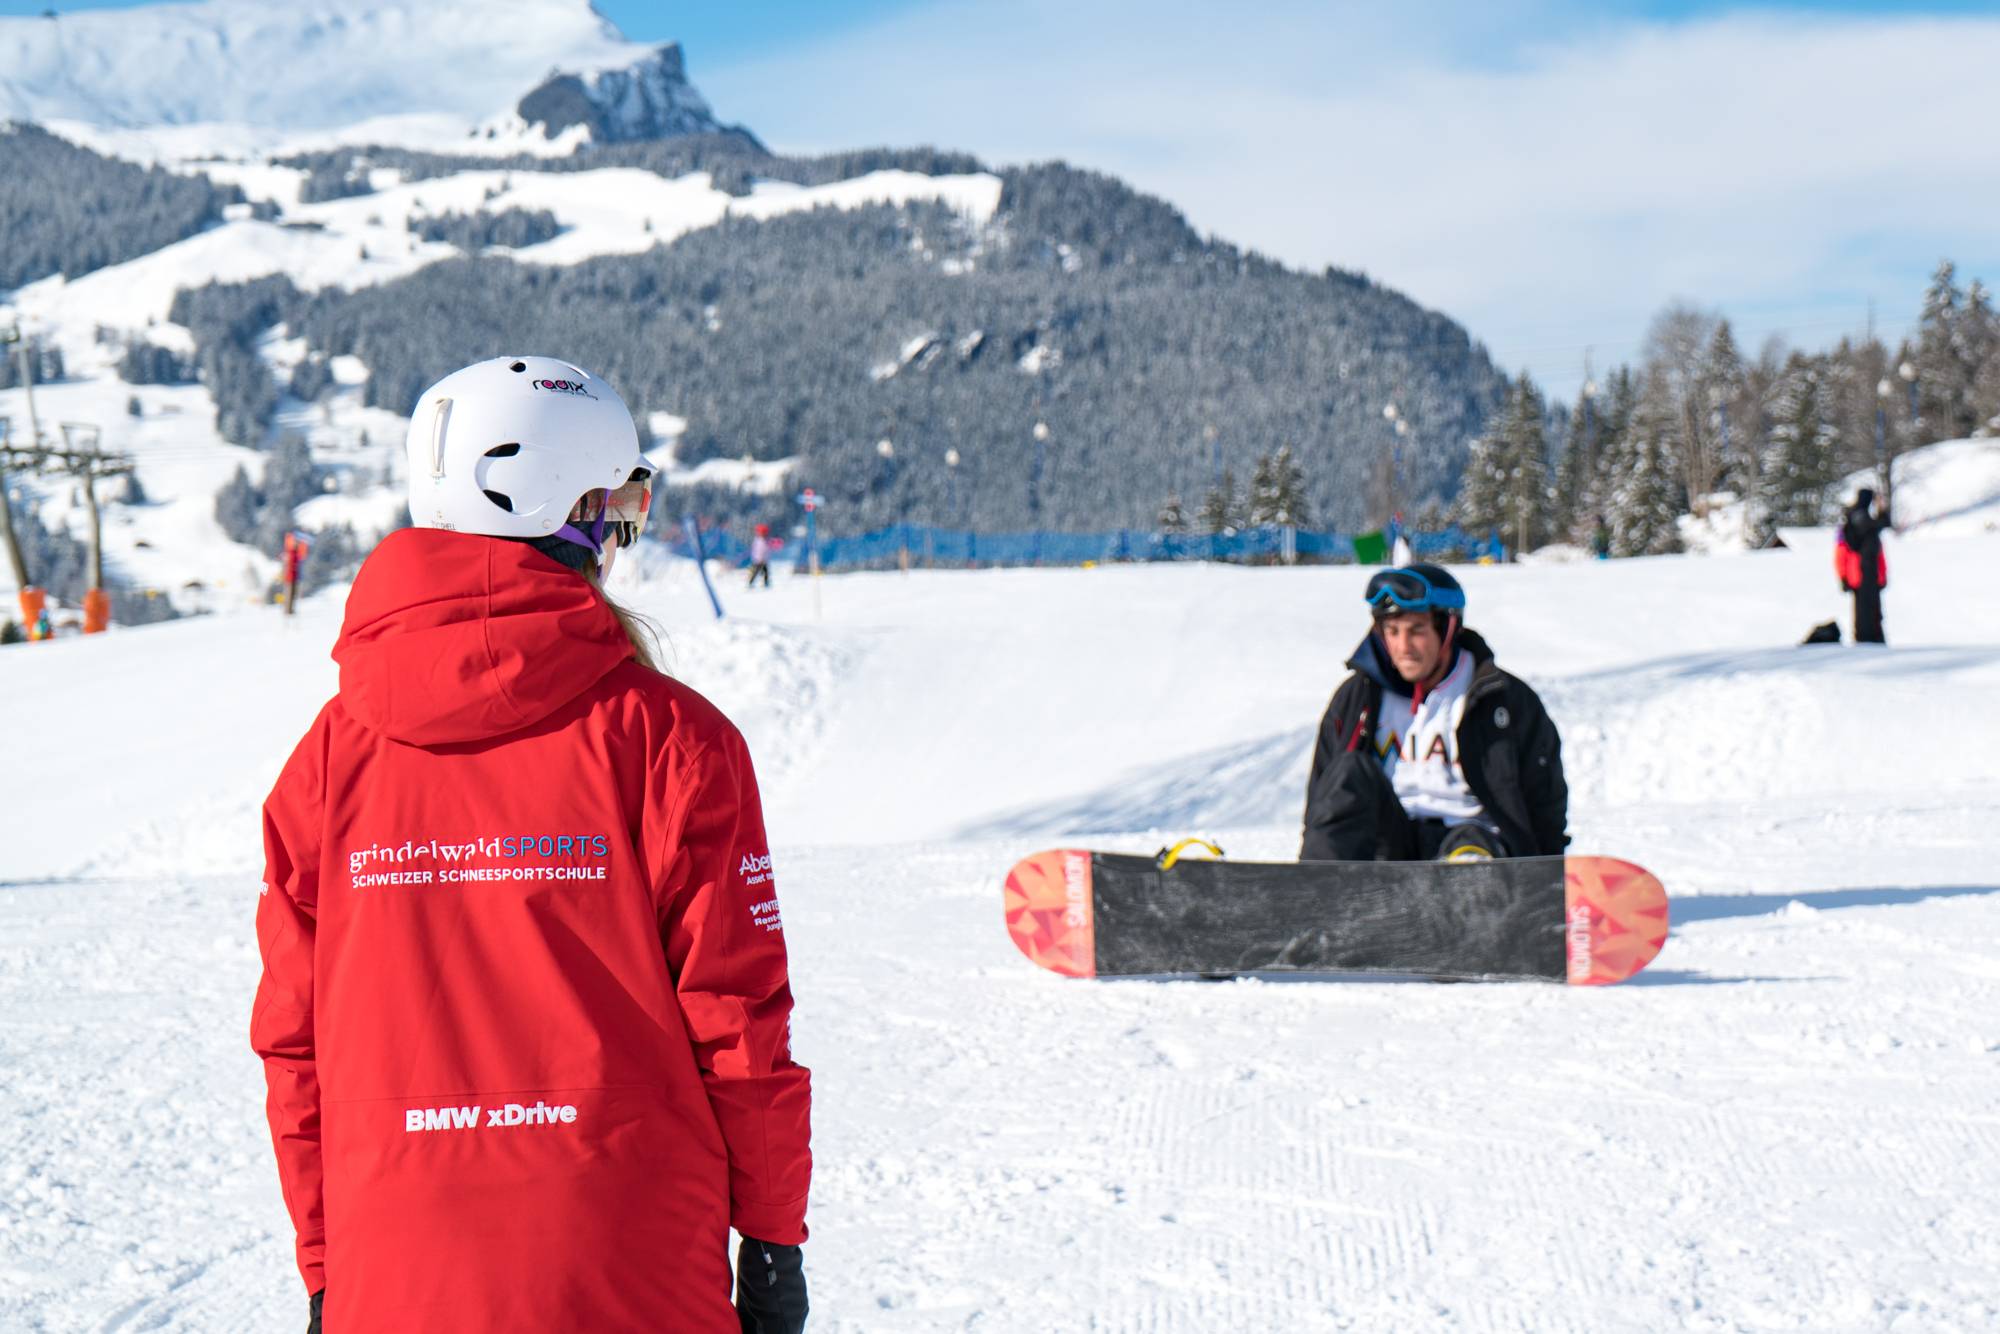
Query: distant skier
point(761, 548)
point(1429, 750)
point(1600, 538)
point(1864, 571)
point(525, 1011)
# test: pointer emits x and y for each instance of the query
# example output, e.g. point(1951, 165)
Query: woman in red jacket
point(525, 1012)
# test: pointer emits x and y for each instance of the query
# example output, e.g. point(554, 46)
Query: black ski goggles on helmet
point(1408, 590)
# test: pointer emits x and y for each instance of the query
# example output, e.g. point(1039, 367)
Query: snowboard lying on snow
point(1587, 921)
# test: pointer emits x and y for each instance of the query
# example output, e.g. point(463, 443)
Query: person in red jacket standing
point(525, 1007)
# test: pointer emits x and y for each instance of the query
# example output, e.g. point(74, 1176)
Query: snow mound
point(1950, 489)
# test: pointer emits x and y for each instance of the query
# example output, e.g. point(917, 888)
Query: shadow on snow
point(1716, 907)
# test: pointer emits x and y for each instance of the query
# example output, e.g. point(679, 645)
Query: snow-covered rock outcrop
point(650, 98)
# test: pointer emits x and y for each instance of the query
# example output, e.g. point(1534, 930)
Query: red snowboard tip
point(1616, 915)
point(1049, 911)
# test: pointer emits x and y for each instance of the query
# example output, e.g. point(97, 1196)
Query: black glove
point(770, 1288)
point(318, 1300)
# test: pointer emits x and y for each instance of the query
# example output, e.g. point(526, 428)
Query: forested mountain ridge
point(914, 334)
point(1154, 358)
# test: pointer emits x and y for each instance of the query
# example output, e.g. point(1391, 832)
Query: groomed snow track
point(1791, 1121)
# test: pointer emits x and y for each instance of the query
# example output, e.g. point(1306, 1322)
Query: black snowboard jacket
point(1862, 529)
point(1507, 744)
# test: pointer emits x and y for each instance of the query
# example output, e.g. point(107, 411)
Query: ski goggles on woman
point(1408, 590)
point(620, 511)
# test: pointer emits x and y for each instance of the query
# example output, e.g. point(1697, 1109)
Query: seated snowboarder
point(1429, 750)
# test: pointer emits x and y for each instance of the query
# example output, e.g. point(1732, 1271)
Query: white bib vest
point(1418, 743)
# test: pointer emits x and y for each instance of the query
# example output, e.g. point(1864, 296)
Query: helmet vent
point(502, 501)
point(506, 451)
point(518, 367)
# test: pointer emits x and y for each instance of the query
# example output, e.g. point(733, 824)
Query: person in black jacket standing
point(1861, 528)
point(1428, 749)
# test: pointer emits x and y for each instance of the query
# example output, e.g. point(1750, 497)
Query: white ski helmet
point(506, 447)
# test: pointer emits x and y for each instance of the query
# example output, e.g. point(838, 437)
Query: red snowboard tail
point(1617, 916)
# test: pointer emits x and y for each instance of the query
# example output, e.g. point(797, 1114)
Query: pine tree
point(1219, 508)
point(1980, 354)
point(1263, 493)
point(1986, 395)
point(237, 505)
point(1506, 484)
point(1432, 517)
point(1173, 518)
point(1577, 473)
point(1527, 467)
point(1294, 508)
point(1278, 491)
point(1482, 489)
point(1801, 471)
point(1723, 384)
point(1645, 497)
point(1944, 377)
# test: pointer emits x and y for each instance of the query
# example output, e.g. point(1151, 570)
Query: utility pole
point(10, 337)
point(13, 544)
point(11, 333)
point(81, 458)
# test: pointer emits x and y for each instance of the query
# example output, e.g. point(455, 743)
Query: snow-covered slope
point(366, 239)
point(1788, 1122)
point(343, 243)
point(1951, 489)
point(309, 64)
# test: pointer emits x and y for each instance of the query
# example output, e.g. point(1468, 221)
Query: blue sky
point(1549, 172)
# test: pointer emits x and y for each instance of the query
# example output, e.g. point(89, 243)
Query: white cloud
point(1550, 190)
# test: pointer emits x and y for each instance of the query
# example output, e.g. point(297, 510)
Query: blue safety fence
point(919, 544)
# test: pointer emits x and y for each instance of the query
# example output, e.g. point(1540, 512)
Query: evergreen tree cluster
point(67, 210)
point(312, 377)
point(1277, 497)
point(1697, 420)
point(733, 162)
point(227, 320)
point(333, 175)
point(260, 513)
point(146, 362)
point(45, 365)
point(1148, 353)
point(1505, 488)
point(474, 232)
point(1956, 360)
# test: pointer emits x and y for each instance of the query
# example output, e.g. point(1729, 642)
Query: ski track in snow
point(1791, 1121)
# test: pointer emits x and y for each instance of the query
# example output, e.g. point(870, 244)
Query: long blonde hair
point(638, 628)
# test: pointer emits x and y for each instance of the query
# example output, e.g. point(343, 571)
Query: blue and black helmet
point(1418, 587)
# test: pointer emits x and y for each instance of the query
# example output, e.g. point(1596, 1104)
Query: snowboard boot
point(1468, 843)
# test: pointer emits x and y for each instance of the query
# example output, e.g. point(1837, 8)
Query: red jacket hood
point(459, 637)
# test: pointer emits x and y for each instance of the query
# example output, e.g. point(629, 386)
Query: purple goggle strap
point(594, 539)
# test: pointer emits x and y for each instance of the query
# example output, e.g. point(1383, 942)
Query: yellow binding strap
point(1168, 856)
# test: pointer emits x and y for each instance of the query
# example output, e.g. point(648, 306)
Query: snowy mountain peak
point(323, 64)
point(650, 98)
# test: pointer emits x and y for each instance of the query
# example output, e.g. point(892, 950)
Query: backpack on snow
point(1847, 563)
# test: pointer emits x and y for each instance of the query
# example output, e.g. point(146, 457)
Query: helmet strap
point(594, 539)
point(1447, 654)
